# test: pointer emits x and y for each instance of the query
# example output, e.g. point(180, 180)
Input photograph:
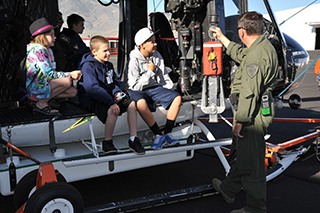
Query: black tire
point(26, 185)
point(55, 197)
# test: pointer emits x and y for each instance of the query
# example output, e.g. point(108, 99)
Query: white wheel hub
point(58, 205)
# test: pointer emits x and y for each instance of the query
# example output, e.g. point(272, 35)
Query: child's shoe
point(108, 147)
point(158, 142)
point(170, 140)
point(136, 146)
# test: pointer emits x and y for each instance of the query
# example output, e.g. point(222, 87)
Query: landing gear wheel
point(27, 186)
point(55, 198)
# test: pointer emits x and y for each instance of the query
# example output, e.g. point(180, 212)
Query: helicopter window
point(259, 6)
point(230, 8)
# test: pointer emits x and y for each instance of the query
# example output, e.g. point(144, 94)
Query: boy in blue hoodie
point(99, 91)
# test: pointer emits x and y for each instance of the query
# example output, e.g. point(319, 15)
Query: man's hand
point(114, 110)
point(151, 66)
point(216, 32)
point(219, 35)
point(237, 129)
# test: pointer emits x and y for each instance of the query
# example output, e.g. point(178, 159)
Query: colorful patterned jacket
point(40, 62)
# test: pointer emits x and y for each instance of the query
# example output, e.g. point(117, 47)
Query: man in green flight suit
point(254, 79)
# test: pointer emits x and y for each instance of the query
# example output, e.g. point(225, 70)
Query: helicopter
point(190, 20)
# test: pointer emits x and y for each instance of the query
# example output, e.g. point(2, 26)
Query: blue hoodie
point(99, 81)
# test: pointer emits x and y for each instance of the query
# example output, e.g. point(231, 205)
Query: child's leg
point(62, 88)
point(134, 142)
point(57, 86)
point(111, 122)
point(145, 112)
point(172, 114)
point(174, 108)
point(132, 119)
point(147, 116)
point(69, 93)
point(108, 116)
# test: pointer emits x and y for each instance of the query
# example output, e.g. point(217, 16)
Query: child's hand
point(76, 75)
point(114, 110)
point(151, 66)
point(119, 96)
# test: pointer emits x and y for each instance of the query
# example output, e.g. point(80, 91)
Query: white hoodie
point(140, 77)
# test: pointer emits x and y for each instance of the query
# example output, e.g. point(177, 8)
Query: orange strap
point(316, 69)
point(167, 39)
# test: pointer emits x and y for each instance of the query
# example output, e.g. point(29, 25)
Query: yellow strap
point(78, 123)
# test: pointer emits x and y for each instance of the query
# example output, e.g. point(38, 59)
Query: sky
point(276, 5)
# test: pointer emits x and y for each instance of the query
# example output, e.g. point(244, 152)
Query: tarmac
point(295, 191)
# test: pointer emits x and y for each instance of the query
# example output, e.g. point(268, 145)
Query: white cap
point(143, 35)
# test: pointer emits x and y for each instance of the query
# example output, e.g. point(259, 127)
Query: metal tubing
point(218, 150)
point(297, 120)
point(93, 140)
point(19, 151)
point(299, 139)
point(131, 155)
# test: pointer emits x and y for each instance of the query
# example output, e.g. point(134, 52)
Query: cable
point(297, 78)
point(297, 12)
point(158, 5)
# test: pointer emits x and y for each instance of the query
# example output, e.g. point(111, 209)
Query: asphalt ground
point(295, 191)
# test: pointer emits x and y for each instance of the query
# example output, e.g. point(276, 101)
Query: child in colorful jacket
point(43, 81)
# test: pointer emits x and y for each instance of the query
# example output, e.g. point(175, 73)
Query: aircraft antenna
point(156, 7)
point(297, 12)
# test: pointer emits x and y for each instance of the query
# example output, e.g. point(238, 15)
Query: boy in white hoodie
point(149, 84)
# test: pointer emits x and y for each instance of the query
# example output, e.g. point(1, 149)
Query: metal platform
point(24, 114)
point(155, 200)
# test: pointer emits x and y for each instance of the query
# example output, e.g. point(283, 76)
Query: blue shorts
point(155, 96)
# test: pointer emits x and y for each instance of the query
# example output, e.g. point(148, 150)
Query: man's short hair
point(73, 19)
point(252, 22)
point(96, 41)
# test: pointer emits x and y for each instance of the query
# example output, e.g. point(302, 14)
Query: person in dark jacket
point(99, 91)
point(71, 36)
